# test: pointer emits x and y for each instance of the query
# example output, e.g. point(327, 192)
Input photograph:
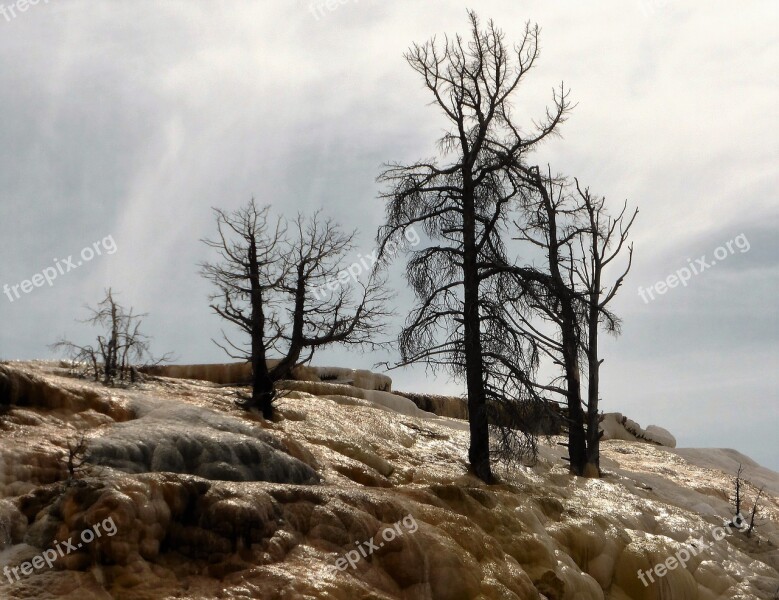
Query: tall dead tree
point(462, 201)
point(545, 226)
point(246, 278)
point(601, 240)
point(270, 283)
point(577, 240)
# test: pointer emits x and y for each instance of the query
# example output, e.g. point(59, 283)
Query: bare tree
point(322, 307)
point(75, 457)
point(462, 201)
point(738, 483)
point(753, 513)
point(85, 360)
point(246, 278)
point(577, 240)
point(284, 286)
point(546, 225)
point(122, 346)
point(601, 240)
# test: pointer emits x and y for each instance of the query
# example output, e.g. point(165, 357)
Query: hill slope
point(351, 493)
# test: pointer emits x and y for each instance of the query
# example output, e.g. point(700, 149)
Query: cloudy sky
point(124, 122)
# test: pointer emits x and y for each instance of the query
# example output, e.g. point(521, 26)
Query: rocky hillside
point(352, 492)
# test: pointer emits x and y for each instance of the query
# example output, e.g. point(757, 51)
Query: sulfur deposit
point(213, 502)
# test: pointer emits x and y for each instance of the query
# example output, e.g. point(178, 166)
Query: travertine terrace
point(210, 501)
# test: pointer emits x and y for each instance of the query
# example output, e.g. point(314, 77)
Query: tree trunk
point(262, 389)
point(577, 440)
point(284, 367)
point(262, 385)
point(593, 416)
point(110, 374)
point(479, 450)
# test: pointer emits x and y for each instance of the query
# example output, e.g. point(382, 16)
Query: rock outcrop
point(443, 406)
point(616, 426)
point(241, 373)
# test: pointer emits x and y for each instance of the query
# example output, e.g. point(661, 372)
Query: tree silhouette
point(269, 282)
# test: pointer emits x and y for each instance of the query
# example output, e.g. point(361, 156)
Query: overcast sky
point(129, 120)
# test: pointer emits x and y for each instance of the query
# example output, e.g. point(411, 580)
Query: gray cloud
point(133, 119)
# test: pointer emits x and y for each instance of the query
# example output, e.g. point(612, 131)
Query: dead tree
point(75, 457)
point(602, 238)
point(546, 225)
point(84, 361)
point(738, 483)
point(322, 306)
point(269, 285)
point(462, 201)
point(118, 349)
point(577, 240)
point(246, 279)
point(753, 513)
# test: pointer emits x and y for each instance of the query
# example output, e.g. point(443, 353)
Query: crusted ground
point(212, 502)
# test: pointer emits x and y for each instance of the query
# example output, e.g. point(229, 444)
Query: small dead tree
point(122, 346)
point(322, 307)
point(753, 513)
point(738, 483)
point(84, 360)
point(75, 457)
point(285, 286)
